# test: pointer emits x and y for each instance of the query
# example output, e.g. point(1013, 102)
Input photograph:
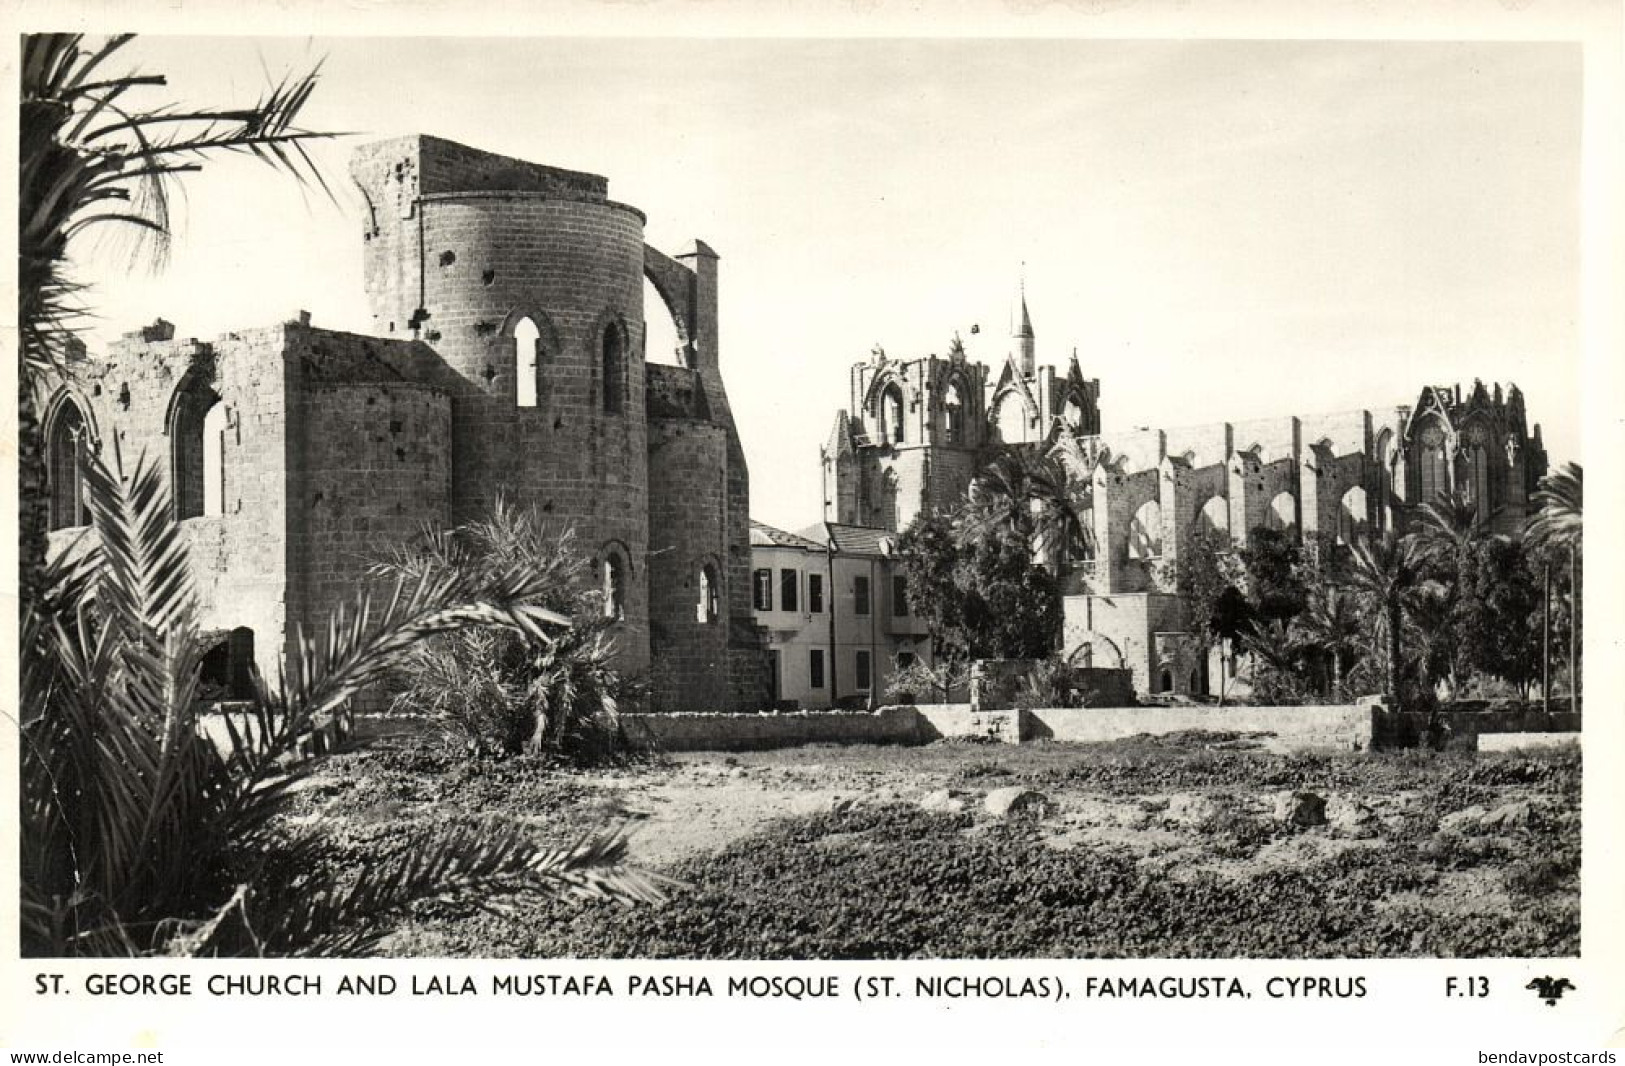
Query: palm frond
point(486, 863)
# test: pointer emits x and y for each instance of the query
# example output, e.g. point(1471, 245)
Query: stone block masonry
point(506, 361)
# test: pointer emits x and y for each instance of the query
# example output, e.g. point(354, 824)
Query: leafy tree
point(939, 680)
point(1208, 573)
point(1496, 612)
point(1275, 584)
point(92, 156)
point(983, 599)
point(1012, 608)
point(928, 555)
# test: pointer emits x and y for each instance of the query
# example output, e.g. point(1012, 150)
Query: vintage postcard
point(1055, 529)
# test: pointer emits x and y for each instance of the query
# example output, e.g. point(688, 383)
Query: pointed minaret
point(1023, 336)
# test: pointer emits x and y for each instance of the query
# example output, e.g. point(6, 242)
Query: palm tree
point(1556, 527)
point(1330, 624)
point(1030, 494)
point(135, 824)
point(1276, 652)
point(91, 155)
point(1382, 573)
point(1444, 534)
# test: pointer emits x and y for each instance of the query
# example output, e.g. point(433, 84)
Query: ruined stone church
point(918, 429)
point(506, 358)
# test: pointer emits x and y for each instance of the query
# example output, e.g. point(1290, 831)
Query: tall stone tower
point(919, 429)
point(524, 285)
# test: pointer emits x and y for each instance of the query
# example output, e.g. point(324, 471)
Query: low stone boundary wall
point(1401, 729)
point(1318, 728)
point(326, 735)
point(1343, 728)
point(773, 729)
point(1526, 741)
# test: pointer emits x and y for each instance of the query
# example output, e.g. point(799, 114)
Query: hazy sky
point(1221, 229)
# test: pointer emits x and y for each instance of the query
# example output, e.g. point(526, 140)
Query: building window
point(815, 593)
point(614, 578)
point(953, 405)
point(862, 670)
point(905, 659)
point(891, 413)
point(789, 583)
point(1165, 682)
point(65, 467)
point(860, 595)
point(1145, 532)
point(527, 345)
point(614, 368)
point(706, 609)
point(761, 584)
point(196, 438)
point(815, 668)
point(899, 596)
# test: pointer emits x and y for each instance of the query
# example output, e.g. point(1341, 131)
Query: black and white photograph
point(1012, 514)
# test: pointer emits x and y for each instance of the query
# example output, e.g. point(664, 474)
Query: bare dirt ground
point(1182, 810)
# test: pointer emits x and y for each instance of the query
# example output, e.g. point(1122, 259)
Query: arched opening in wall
point(65, 449)
point(1476, 480)
point(527, 362)
point(612, 577)
point(662, 341)
point(1145, 532)
point(1282, 515)
point(1010, 416)
point(214, 460)
point(1165, 681)
point(891, 413)
point(614, 367)
point(196, 440)
point(953, 410)
point(1352, 516)
point(707, 610)
point(227, 668)
point(1072, 414)
point(1214, 517)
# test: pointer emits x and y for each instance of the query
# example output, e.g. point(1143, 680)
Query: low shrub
point(897, 882)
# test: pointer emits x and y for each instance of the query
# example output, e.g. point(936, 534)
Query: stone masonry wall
point(129, 395)
point(374, 467)
point(687, 512)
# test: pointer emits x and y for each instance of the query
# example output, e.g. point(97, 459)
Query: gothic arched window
point(953, 407)
point(527, 344)
point(614, 582)
point(614, 368)
point(1145, 532)
point(891, 413)
point(65, 467)
point(196, 433)
point(706, 610)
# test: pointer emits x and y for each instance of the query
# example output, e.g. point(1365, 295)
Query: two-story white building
point(835, 606)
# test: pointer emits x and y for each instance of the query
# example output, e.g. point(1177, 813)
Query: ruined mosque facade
point(918, 429)
point(505, 360)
